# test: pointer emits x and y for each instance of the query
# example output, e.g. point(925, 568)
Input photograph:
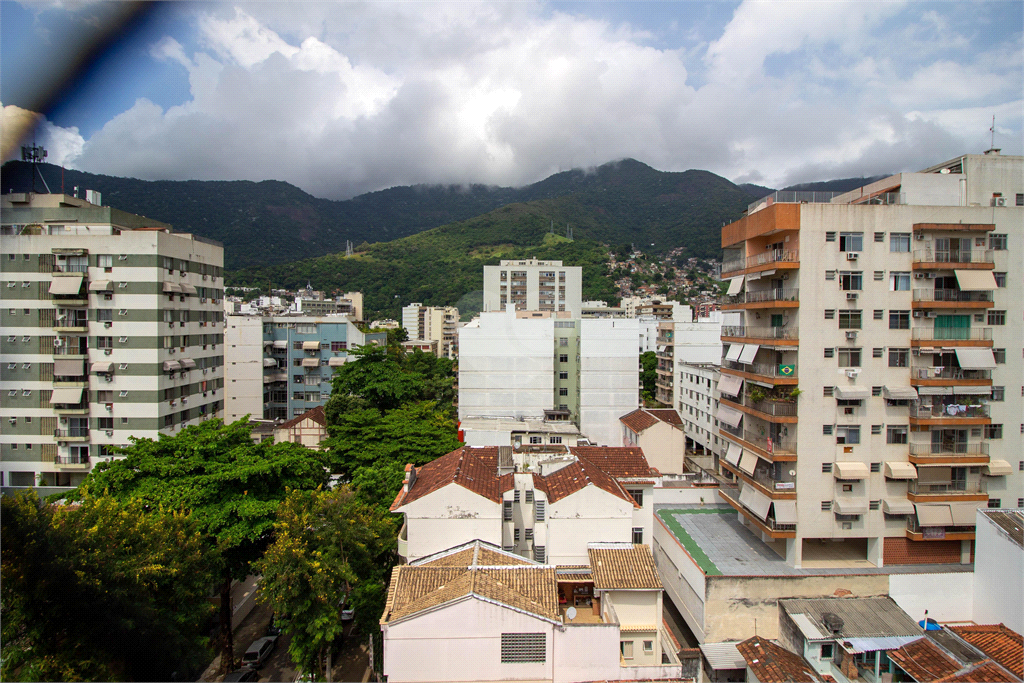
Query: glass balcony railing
point(763, 369)
point(966, 487)
point(949, 372)
point(954, 410)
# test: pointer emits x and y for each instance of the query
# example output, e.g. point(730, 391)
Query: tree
point(231, 486)
point(649, 374)
point(375, 377)
point(328, 545)
point(103, 590)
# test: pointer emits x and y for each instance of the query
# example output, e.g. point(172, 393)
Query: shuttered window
point(523, 647)
point(538, 510)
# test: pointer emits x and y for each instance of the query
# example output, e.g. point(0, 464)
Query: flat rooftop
point(721, 546)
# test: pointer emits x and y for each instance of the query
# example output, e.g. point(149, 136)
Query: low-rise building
point(658, 431)
point(530, 433)
point(955, 654)
point(308, 429)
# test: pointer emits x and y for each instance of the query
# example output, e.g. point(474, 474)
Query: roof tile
point(924, 660)
point(1002, 644)
point(315, 414)
point(772, 663)
point(624, 566)
point(618, 461)
point(639, 420)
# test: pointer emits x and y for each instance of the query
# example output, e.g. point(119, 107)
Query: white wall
point(586, 652)
point(243, 367)
point(448, 517)
point(589, 515)
point(609, 377)
point(997, 579)
point(664, 447)
point(947, 597)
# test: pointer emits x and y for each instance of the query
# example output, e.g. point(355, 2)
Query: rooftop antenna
point(35, 154)
point(992, 130)
point(348, 248)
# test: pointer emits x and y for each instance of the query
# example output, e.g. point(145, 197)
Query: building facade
point(112, 327)
point(534, 285)
point(433, 323)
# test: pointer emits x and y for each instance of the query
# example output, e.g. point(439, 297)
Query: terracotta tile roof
point(669, 415)
point(577, 476)
point(472, 468)
point(638, 420)
point(1002, 644)
point(623, 565)
point(986, 672)
point(771, 663)
point(924, 660)
point(315, 414)
point(618, 461)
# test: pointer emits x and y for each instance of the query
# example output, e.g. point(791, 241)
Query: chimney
point(410, 478)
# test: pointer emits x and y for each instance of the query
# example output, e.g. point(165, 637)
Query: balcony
point(786, 335)
point(767, 526)
point(765, 298)
point(780, 258)
point(778, 489)
point(951, 298)
point(945, 259)
point(951, 336)
point(403, 542)
point(71, 408)
point(72, 461)
point(950, 414)
point(777, 374)
point(766, 409)
point(916, 532)
point(72, 434)
point(953, 490)
point(772, 450)
point(936, 375)
point(949, 452)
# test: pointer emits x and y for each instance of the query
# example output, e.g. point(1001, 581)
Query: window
point(998, 393)
point(507, 511)
point(896, 434)
point(899, 358)
point(638, 496)
point(849, 358)
point(563, 341)
point(830, 352)
point(827, 391)
point(339, 346)
point(875, 429)
point(538, 510)
point(851, 280)
point(997, 242)
point(899, 282)
point(826, 505)
point(848, 434)
point(563, 391)
point(555, 439)
point(523, 647)
point(563, 374)
point(638, 535)
point(536, 440)
point(899, 320)
point(1000, 355)
point(528, 534)
point(563, 358)
point(899, 242)
point(879, 236)
point(876, 391)
point(993, 431)
point(849, 320)
point(830, 275)
point(830, 314)
point(539, 553)
point(876, 466)
point(104, 342)
point(105, 423)
point(877, 352)
point(826, 430)
point(830, 236)
point(297, 379)
point(995, 503)
point(851, 241)
point(826, 650)
point(997, 317)
point(878, 314)
point(529, 495)
point(104, 260)
point(1020, 202)
point(879, 275)
point(1000, 279)
point(626, 649)
point(826, 467)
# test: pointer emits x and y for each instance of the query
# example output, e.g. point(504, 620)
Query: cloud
point(20, 126)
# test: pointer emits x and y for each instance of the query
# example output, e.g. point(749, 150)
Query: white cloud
point(63, 145)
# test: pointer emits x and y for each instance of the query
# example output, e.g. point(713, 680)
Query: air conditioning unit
point(929, 314)
point(999, 201)
point(108, 377)
point(851, 334)
point(851, 256)
point(58, 342)
point(918, 276)
point(851, 296)
point(184, 401)
point(110, 407)
point(122, 257)
point(918, 314)
point(173, 403)
point(170, 324)
point(122, 285)
point(107, 352)
point(929, 276)
point(202, 300)
point(122, 339)
point(110, 432)
point(205, 277)
point(848, 410)
point(108, 324)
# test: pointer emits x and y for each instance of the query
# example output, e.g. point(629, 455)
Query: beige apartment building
point(534, 285)
point(438, 324)
point(112, 327)
point(872, 378)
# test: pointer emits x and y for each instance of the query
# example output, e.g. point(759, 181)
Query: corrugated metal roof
point(862, 617)
point(723, 656)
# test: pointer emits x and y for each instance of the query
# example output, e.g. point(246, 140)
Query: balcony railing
point(954, 410)
point(950, 333)
point(732, 493)
point(70, 268)
point(772, 256)
point(914, 526)
point(951, 295)
point(769, 407)
point(786, 332)
point(785, 446)
point(791, 294)
point(73, 432)
point(72, 459)
point(763, 369)
point(791, 197)
point(951, 256)
point(966, 487)
point(948, 372)
point(949, 448)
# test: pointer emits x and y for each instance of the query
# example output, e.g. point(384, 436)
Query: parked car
point(259, 651)
point(273, 629)
point(245, 674)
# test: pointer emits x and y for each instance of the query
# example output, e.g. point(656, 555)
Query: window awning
point(934, 515)
point(748, 462)
point(997, 468)
point(729, 416)
point(972, 391)
point(187, 364)
point(187, 289)
point(897, 506)
point(281, 344)
point(269, 363)
point(101, 286)
point(335, 361)
point(735, 285)
point(734, 352)
point(853, 392)
point(748, 353)
point(850, 470)
point(171, 287)
point(900, 392)
point(966, 513)
point(943, 474)
point(976, 359)
point(730, 385)
point(171, 366)
point(851, 506)
point(71, 395)
point(66, 285)
point(310, 346)
point(975, 280)
point(900, 470)
point(755, 501)
point(68, 368)
point(935, 391)
point(785, 511)
point(310, 362)
point(102, 368)
point(723, 656)
point(734, 453)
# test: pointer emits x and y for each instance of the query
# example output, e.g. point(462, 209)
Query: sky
point(342, 98)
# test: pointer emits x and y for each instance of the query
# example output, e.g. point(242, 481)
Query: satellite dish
point(792, 473)
point(571, 613)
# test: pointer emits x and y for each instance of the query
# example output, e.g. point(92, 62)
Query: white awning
point(281, 344)
point(900, 392)
point(71, 395)
point(850, 470)
point(900, 470)
point(730, 385)
point(874, 644)
point(942, 474)
point(972, 391)
point(734, 453)
point(853, 392)
point(755, 501)
point(171, 287)
point(735, 285)
point(976, 359)
point(171, 366)
point(748, 462)
point(966, 513)
point(997, 468)
point(897, 506)
point(187, 289)
point(975, 280)
point(102, 368)
point(66, 285)
point(310, 346)
point(934, 515)
point(101, 286)
point(310, 362)
point(851, 506)
point(269, 363)
point(785, 511)
point(187, 364)
point(734, 352)
point(729, 416)
point(722, 656)
point(748, 353)
point(935, 391)
point(336, 361)
point(68, 368)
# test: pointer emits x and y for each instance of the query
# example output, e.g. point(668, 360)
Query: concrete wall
point(998, 569)
point(947, 597)
point(664, 447)
point(586, 652)
point(589, 515)
point(243, 367)
point(609, 377)
point(448, 517)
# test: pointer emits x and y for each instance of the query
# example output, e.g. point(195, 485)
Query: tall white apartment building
point(524, 365)
point(871, 388)
point(112, 327)
point(683, 340)
point(433, 323)
point(534, 285)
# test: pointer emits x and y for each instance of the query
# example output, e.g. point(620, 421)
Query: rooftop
point(315, 414)
point(924, 660)
point(1010, 521)
point(854, 617)
point(645, 418)
point(1002, 644)
point(771, 663)
point(623, 566)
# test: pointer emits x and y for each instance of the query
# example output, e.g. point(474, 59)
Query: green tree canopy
point(649, 374)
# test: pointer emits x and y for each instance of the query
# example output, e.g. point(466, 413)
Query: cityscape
point(539, 421)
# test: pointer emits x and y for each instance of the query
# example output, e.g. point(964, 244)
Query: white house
point(658, 431)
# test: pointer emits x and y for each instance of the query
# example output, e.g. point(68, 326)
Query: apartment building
point(112, 327)
point(433, 323)
point(872, 379)
point(697, 392)
point(280, 367)
point(349, 303)
point(543, 365)
point(684, 340)
point(534, 285)
point(659, 432)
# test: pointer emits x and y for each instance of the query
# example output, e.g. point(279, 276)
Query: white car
point(259, 651)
